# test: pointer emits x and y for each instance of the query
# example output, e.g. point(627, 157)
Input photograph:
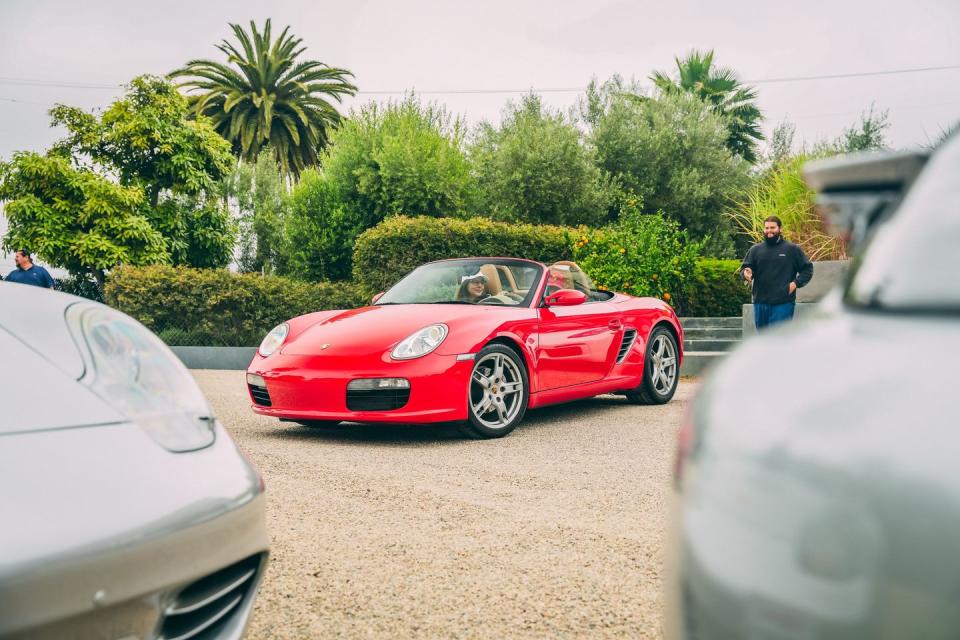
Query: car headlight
point(136, 373)
point(274, 339)
point(420, 343)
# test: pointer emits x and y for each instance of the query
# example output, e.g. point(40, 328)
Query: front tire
point(497, 394)
point(661, 373)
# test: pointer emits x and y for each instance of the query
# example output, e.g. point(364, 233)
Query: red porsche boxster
point(476, 341)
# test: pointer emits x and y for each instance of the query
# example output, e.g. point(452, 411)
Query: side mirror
point(565, 298)
point(856, 193)
point(376, 297)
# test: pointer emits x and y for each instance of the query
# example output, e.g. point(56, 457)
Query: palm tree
point(264, 98)
point(719, 87)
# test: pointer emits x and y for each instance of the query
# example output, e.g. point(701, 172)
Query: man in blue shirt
point(29, 273)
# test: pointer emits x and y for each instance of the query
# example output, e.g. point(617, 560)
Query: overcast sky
point(505, 44)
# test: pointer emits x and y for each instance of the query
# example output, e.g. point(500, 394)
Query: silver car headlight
point(274, 339)
point(420, 343)
point(136, 373)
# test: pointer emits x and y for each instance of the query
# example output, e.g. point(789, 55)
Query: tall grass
point(782, 192)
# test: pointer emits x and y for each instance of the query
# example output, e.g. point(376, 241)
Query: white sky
point(506, 44)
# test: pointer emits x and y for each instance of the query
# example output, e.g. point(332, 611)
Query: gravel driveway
point(393, 532)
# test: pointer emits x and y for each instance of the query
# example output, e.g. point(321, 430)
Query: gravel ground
point(408, 531)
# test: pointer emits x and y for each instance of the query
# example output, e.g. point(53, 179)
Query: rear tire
point(497, 394)
point(661, 373)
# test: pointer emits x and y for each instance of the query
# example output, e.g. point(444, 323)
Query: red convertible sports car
point(474, 340)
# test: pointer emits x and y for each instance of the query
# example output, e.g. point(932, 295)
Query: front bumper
point(310, 387)
point(108, 530)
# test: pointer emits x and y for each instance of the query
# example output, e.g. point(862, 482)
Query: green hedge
point(714, 290)
point(215, 307)
point(384, 254)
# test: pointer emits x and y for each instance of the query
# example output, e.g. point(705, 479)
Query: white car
point(126, 510)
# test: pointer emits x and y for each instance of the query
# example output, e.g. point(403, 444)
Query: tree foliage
point(320, 230)
point(534, 168)
point(671, 153)
point(643, 255)
point(265, 96)
point(75, 218)
point(721, 89)
point(400, 158)
point(146, 139)
point(258, 195)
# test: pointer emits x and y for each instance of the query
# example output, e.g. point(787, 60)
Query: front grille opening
point(377, 399)
point(260, 395)
point(628, 338)
point(205, 607)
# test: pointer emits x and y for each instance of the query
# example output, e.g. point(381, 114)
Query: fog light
point(255, 380)
point(369, 384)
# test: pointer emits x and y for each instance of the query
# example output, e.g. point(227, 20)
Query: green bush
point(641, 255)
point(82, 286)
point(387, 252)
point(215, 307)
point(715, 290)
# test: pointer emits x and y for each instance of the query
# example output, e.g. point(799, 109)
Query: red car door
point(577, 344)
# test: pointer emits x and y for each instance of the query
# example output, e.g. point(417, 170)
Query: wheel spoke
point(497, 367)
point(485, 404)
point(660, 346)
point(501, 410)
point(668, 362)
point(510, 388)
point(483, 380)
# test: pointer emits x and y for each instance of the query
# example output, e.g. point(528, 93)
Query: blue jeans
point(765, 315)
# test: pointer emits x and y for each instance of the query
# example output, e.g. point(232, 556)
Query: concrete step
point(734, 322)
point(713, 333)
point(709, 345)
point(697, 363)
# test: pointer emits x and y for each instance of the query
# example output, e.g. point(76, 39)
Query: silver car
point(126, 511)
point(817, 476)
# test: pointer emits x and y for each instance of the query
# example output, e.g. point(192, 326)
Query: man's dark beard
point(772, 241)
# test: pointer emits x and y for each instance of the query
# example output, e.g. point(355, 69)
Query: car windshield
point(473, 281)
point(913, 261)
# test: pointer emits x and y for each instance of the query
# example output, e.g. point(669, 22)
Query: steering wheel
point(497, 299)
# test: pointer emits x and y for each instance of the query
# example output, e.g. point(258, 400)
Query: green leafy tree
point(198, 228)
point(400, 158)
point(320, 230)
point(867, 134)
point(146, 139)
point(671, 153)
point(258, 193)
point(721, 89)
point(265, 96)
point(534, 168)
point(74, 218)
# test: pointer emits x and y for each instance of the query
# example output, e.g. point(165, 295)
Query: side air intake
point(628, 337)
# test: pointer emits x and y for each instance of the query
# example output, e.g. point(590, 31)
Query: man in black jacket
point(776, 268)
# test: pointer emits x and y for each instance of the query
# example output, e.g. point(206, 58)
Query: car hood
point(860, 395)
point(374, 329)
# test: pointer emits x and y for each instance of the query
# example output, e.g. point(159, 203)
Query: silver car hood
point(845, 390)
point(37, 395)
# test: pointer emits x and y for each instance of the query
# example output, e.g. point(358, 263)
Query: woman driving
point(473, 288)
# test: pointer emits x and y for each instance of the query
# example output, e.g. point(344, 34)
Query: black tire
point(506, 402)
point(659, 381)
